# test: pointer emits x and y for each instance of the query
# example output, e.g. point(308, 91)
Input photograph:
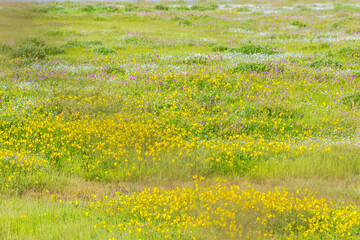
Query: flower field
point(180, 120)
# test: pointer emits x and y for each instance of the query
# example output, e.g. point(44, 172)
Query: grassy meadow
point(180, 120)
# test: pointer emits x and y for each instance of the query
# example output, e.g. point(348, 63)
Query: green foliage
point(32, 47)
point(299, 24)
point(250, 48)
point(317, 164)
point(160, 116)
point(302, 8)
point(161, 7)
point(197, 7)
point(131, 8)
point(48, 8)
point(52, 50)
point(273, 112)
point(196, 60)
point(185, 22)
point(356, 73)
point(253, 66)
point(54, 7)
point(219, 48)
point(34, 41)
point(280, 224)
point(211, 6)
point(315, 46)
point(59, 32)
point(325, 62)
point(324, 45)
point(346, 7)
point(105, 8)
point(191, 43)
point(84, 44)
point(240, 165)
point(5, 48)
point(242, 9)
point(207, 7)
point(330, 53)
point(29, 48)
point(135, 40)
point(99, 18)
point(352, 99)
point(182, 8)
point(114, 69)
point(120, 48)
point(99, 7)
point(40, 10)
point(104, 50)
point(350, 51)
point(88, 8)
point(336, 25)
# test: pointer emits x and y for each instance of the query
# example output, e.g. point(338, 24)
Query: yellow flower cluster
point(17, 168)
point(159, 108)
point(240, 213)
point(211, 121)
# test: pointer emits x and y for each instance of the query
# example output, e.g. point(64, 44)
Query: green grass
point(101, 96)
point(338, 162)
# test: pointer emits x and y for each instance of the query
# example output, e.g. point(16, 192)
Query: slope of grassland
point(174, 120)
